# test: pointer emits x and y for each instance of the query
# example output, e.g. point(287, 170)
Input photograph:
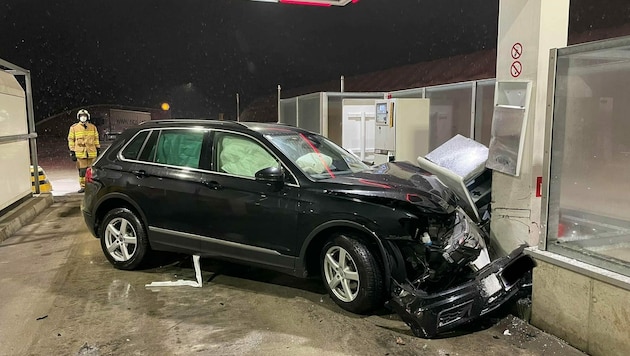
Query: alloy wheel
point(120, 239)
point(341, 274)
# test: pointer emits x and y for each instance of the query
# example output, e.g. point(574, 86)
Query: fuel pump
point(402, 129)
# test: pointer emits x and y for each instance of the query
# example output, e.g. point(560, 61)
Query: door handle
point(212, 184)
point(140, 173)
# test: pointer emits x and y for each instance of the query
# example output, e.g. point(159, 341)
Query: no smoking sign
point(517, 67)
point(517, 50)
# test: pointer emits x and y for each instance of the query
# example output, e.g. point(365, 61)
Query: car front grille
point(454, 314)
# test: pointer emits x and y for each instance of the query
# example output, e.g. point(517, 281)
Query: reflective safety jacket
point(83, 140)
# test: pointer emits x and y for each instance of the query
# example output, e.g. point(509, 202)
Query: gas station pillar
point(528, 29)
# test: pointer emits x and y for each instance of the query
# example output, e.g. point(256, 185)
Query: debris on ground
point(198, 283)
point(88, 350)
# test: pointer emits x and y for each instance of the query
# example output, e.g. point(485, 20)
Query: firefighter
point(84, 144)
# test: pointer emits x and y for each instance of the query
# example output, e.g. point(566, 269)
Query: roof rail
point(196, 121)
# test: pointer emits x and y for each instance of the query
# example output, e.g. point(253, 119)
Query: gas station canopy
point(313, 2)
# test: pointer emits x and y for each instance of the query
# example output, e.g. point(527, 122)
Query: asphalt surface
point(60, 296)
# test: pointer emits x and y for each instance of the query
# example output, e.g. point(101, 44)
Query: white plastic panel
point(16, 181)
point(12, 106)
point(412, 128)
point(14, 156)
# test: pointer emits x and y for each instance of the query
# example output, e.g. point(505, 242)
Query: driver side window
point(241, 156)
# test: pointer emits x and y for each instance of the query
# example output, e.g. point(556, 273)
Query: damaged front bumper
point(431, 314)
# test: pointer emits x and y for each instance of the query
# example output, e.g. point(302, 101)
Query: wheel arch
point(309, 255)
point(112, 201)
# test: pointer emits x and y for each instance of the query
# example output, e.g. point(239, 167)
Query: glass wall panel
point(409, 93)
point(288, 111)
point(335, 119)
point(589, 195)
point(450, 112)
point(309, 116)
point(484, 104)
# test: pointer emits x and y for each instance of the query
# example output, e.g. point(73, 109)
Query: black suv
point(286, 199)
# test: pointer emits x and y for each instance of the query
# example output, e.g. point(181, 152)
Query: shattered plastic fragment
point(181, 282)
point(490, 285)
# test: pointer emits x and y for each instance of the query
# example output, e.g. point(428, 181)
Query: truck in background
point(113, 122)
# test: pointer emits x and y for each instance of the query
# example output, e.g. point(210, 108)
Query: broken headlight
point(465, 242)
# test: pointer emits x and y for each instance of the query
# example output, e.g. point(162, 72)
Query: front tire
point(123, 239)
point(351, 274)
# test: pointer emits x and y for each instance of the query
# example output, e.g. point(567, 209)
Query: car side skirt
point(205, 246)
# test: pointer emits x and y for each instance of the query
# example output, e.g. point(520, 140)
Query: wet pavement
point(60, 296)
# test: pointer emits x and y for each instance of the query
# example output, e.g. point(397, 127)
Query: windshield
point(315, 155)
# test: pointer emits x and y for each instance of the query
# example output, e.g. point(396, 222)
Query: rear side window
point(148, 152)
point(179, 148)
point(133, 148)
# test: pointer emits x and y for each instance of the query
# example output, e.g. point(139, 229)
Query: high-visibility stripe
point(84, 134)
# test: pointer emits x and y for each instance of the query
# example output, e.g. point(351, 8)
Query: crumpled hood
point(400, 181)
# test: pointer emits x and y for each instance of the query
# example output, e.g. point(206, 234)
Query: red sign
point(517, 50)
point(516, 69)
point(538, 187)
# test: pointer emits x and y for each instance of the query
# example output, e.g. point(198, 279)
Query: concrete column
point(528, 29)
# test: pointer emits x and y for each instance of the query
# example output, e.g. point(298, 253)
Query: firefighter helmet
point(83, 115)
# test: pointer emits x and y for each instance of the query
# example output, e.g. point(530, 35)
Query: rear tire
point(123, 239)
point(351, 274)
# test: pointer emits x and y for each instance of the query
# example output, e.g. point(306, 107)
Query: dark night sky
point(198, 54)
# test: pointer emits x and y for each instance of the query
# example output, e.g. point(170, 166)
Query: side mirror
point(274, 175)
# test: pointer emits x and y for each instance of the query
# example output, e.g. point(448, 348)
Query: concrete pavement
point(60, 296)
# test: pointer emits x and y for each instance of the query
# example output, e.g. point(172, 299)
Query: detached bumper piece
point(431, 314)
